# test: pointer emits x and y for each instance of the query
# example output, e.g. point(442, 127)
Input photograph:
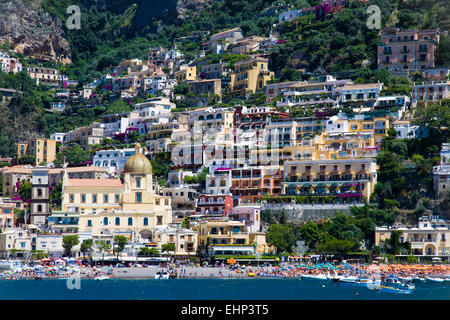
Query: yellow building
point(347, 180)
point(359, 124)
point(108, 206)
point(186, 74)
point(249, 76)
point(222, 232)
point(42, 150)
point(323, 147)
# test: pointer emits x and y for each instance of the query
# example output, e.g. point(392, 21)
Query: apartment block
point(407, 49)
point(42, 150)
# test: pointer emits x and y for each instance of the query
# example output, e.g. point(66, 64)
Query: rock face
point(32, 31)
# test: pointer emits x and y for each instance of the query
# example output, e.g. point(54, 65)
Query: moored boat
point(314, 277)
point(162, 275)
point(435, 279)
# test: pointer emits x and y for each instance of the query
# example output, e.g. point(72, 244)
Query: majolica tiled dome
point(138, 163)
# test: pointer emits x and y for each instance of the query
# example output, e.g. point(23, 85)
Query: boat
point(251, 274)
point(38, 278)
point(100, 278)
point(162, 275)
point(347, 279)
point(435, 279)
point(387, 289)
point(418, 279)
point(314, 277)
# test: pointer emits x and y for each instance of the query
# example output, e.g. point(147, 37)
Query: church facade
point(109, 207)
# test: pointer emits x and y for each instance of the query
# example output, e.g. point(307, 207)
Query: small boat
point(162, 275)
point(38, 278)
point(434, 279)
point(314, 277)
point(418, 279)
point(387, 289)
point(100, 278)
point(251, 274)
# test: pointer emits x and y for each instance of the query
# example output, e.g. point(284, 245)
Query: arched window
point(39, 208)
point(105, 221)
point(117, 221)
point(145, 221)
point(130, 221)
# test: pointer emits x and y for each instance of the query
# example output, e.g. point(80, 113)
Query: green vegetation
point(86, 246)
point(69, 241)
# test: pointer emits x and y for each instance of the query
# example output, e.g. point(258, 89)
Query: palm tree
point(104, 247)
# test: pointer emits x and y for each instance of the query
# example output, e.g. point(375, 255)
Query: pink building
point(407, 50)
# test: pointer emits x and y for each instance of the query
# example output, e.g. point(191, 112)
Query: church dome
point(138, 163)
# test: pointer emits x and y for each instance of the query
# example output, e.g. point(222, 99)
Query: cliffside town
point(218, 145)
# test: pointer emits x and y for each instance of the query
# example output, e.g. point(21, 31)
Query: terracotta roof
point(94, 183)
point(19, 169)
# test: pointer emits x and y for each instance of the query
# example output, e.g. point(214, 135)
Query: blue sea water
point(207, 289)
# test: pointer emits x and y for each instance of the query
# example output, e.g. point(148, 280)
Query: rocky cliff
point(30, 30)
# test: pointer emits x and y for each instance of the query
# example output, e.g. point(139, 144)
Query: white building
point(355, 92)
point(51, 243)
point(185, 240)
point(430, 238)
point(8, 64)
point(431, 91)
point(441, 173)
point(251, 215)
point(17, 239)
point(219, 180)
point(155, 107)
point(112, 160)
point(57, 136)
point(406, 130)
point(117, 123)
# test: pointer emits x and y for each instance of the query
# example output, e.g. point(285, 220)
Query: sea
point(206, 289)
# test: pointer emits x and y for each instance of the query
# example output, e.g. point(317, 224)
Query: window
point(71, 198)
point(117, 221)
point(145, 221)
point(130, 221)
point(159, 220)
point(138, 197)
point(105, 198)
point(89, 223)
point(116, 198)
point(105, 221)
point(138, 182)
point(94, 198)
point(83, 198)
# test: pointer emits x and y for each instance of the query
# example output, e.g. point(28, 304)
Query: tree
point(423, 166)
point(335, 246)
point(73, 155)
point(69, 241)
point(144, 251)
point(56, 196)
point(27, 159)
point(118, 106)
point(281, 236)
point(166, 247)
point(103, 247)
point(393, 243)
point(25, 191)
point(86, 246)
point(310, 233)
point(20, 216)
point(120, 241)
